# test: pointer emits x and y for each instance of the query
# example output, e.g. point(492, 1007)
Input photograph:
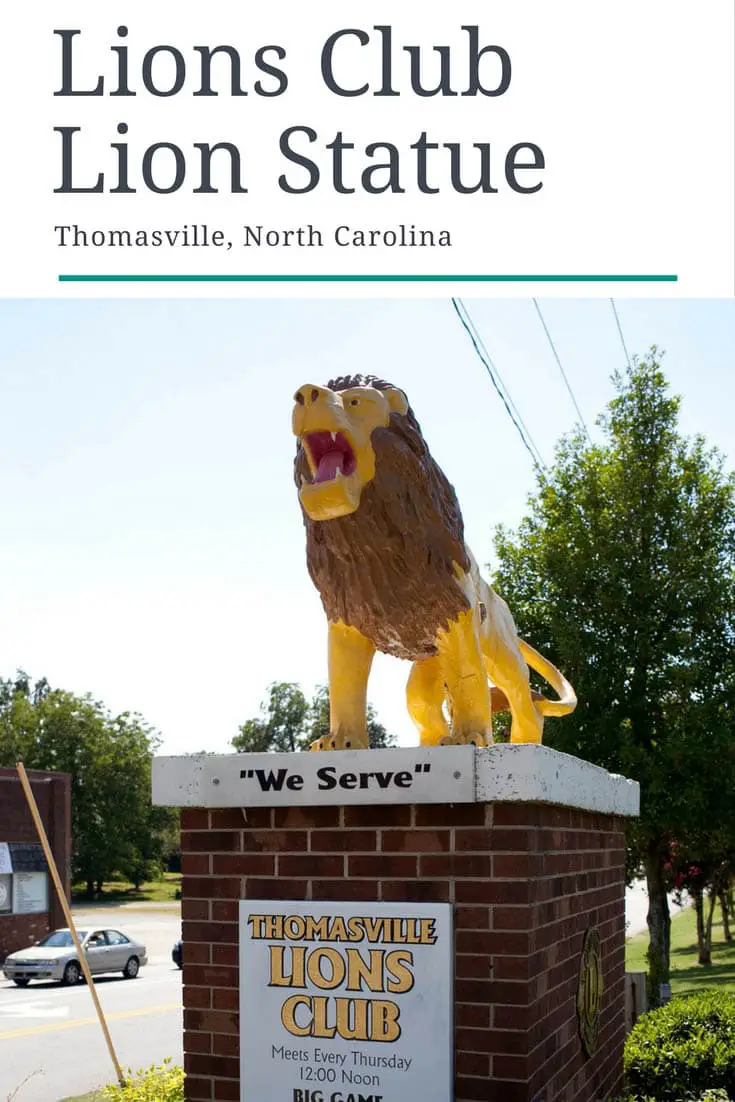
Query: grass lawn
point(95, 1096)
point(121, 891)
point(686, 975)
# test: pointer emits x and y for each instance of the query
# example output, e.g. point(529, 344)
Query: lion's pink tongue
point(328, 464)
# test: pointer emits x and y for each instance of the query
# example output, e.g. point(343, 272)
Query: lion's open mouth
point(330, 455)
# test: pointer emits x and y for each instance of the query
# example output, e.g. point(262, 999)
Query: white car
point(56, 958)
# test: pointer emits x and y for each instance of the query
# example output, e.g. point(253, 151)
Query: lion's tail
point(567, 701)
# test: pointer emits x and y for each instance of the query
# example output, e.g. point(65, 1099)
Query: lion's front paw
point(338, 741)
point(467, 738)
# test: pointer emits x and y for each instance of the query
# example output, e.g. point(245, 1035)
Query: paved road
point(50, 1037)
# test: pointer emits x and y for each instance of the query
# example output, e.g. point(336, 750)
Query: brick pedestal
point(527, 879)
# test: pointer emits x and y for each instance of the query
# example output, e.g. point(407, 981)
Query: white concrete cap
point(427, 774)
point(539, 775)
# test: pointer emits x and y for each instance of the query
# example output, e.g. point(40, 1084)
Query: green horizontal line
point(187, 278)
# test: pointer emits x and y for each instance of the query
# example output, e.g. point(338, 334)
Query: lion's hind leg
point(508, 670)
point(465, 678)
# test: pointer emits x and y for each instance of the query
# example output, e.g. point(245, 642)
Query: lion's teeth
point(338, 471)
point(334, 437)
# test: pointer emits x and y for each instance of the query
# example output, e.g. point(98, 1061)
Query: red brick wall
point(52, 792)
point(526, 880)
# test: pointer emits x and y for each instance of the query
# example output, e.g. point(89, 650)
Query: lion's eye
point(354, 401)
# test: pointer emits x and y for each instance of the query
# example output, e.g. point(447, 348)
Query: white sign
point(428, 774)
point(345, 1001)
point(6, 865)
point(30, 893)
point(6, 893)
point(448, 774)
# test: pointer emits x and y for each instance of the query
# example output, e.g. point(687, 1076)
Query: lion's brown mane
point(388, 568)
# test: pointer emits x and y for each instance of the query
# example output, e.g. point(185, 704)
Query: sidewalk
point(636, 908)
point(115, 905)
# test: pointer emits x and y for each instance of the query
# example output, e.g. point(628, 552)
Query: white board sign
point(436, 774)
point(426, 774)
point(30, 893)
point(6, 864)
point(345, 1001)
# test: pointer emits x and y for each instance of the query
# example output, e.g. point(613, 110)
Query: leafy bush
point(708, 1096)
point(161, 1083)
point(684, 1051)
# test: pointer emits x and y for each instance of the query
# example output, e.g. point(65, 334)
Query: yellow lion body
point(385, 548)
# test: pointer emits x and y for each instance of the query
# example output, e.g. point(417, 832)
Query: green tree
point(702, 864)
point(280, 725)
point(288, 722)
point(114, 827)
point(623, 573)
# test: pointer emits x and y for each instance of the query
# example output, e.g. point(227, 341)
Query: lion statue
point(385, 549)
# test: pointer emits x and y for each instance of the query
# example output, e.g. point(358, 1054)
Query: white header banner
point(516, 148)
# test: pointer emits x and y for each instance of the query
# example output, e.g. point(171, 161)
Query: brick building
point(22, 866)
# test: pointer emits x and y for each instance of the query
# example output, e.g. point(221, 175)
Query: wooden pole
point(67, 914)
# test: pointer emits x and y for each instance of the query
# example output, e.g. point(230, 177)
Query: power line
point(497, 381)
point(477, 343)
point(620, 331)
point(561, 369)
point(478, 337)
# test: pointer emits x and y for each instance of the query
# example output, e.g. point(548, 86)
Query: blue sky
point(152, 549)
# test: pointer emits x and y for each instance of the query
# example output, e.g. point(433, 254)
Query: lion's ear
point(397, 400)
